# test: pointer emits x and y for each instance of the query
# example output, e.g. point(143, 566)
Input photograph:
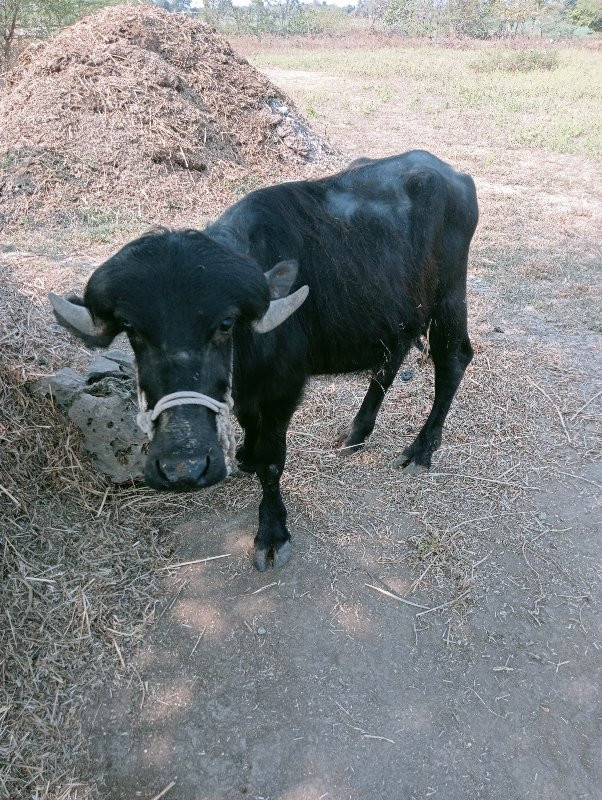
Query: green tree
point(10, 15)
point(515, 14)
point(40, 17)
point(222, 14)
point(586, 12)
point(436, 17)
point(180, 6)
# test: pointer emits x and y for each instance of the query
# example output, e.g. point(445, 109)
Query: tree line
point(466, 18)
point(28, 19)
point(22, 20)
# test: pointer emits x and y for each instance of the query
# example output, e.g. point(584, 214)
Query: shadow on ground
point(305, 683)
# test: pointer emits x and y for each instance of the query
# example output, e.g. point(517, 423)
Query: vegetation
point(280, 17)
point(516, 60)
point(476, 18)
point(586, 13)
point(526, 98)
point(26, 19)
point(21, 20)
point(458, 18)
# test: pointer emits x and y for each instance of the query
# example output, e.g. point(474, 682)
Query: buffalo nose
point(181, 473)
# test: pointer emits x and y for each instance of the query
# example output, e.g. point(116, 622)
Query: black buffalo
point(383, 248)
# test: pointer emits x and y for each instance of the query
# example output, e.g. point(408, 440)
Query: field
point(434, 636)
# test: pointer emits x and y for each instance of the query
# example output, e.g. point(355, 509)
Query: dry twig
point(395, 596)
point(162, 793)
point(194, 561)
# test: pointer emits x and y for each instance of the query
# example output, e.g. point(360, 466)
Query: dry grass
point(80, 561)
point(504, 440)
point(516, 61)
point(555, 110)
point(150, 109)
point(373, 38)
point(77, 583)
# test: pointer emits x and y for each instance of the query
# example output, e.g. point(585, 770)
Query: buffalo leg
point(273, 539)
point(451, 352)
point(365, 419)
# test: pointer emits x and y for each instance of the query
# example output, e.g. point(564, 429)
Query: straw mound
point(68, 574)
point(140, 111)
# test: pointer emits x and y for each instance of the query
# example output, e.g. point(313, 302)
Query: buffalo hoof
point(277, 555)
point(407, 462)
point(348, 443)
point(414, 469)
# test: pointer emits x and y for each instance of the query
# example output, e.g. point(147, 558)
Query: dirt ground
point(478, 674)
point(308, 684)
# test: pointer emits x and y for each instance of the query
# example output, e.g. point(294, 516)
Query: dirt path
point(307, 684)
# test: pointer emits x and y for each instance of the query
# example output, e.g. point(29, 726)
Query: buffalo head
point(181, 297)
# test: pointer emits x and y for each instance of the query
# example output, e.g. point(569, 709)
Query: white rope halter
point(225, 429)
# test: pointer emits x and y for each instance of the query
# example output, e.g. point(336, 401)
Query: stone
point(101, 367)
point(111, 435)
point(125, 360)
point(64, 386)
point(102, 403)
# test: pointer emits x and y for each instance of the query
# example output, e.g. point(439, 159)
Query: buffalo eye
point(127, 326)
point(226, 325)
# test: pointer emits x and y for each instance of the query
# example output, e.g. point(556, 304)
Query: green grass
point(384, 93)
point(242, 186)
point(99, 225)
point(7, 161)
point(515, 60)
point(565, 136)
point(556, 108)
point(369, 107)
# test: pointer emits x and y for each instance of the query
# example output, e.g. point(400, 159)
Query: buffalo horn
point(75, 315)
point(280, 310)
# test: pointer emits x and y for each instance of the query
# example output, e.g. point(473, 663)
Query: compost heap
point(139, 112)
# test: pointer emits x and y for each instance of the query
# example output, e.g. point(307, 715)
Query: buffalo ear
point(72, 314)
point(281, 277)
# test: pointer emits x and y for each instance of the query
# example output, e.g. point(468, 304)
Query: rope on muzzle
point(225, 429)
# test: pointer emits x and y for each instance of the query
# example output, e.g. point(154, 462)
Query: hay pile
point(76, 571)
point(138, 112)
